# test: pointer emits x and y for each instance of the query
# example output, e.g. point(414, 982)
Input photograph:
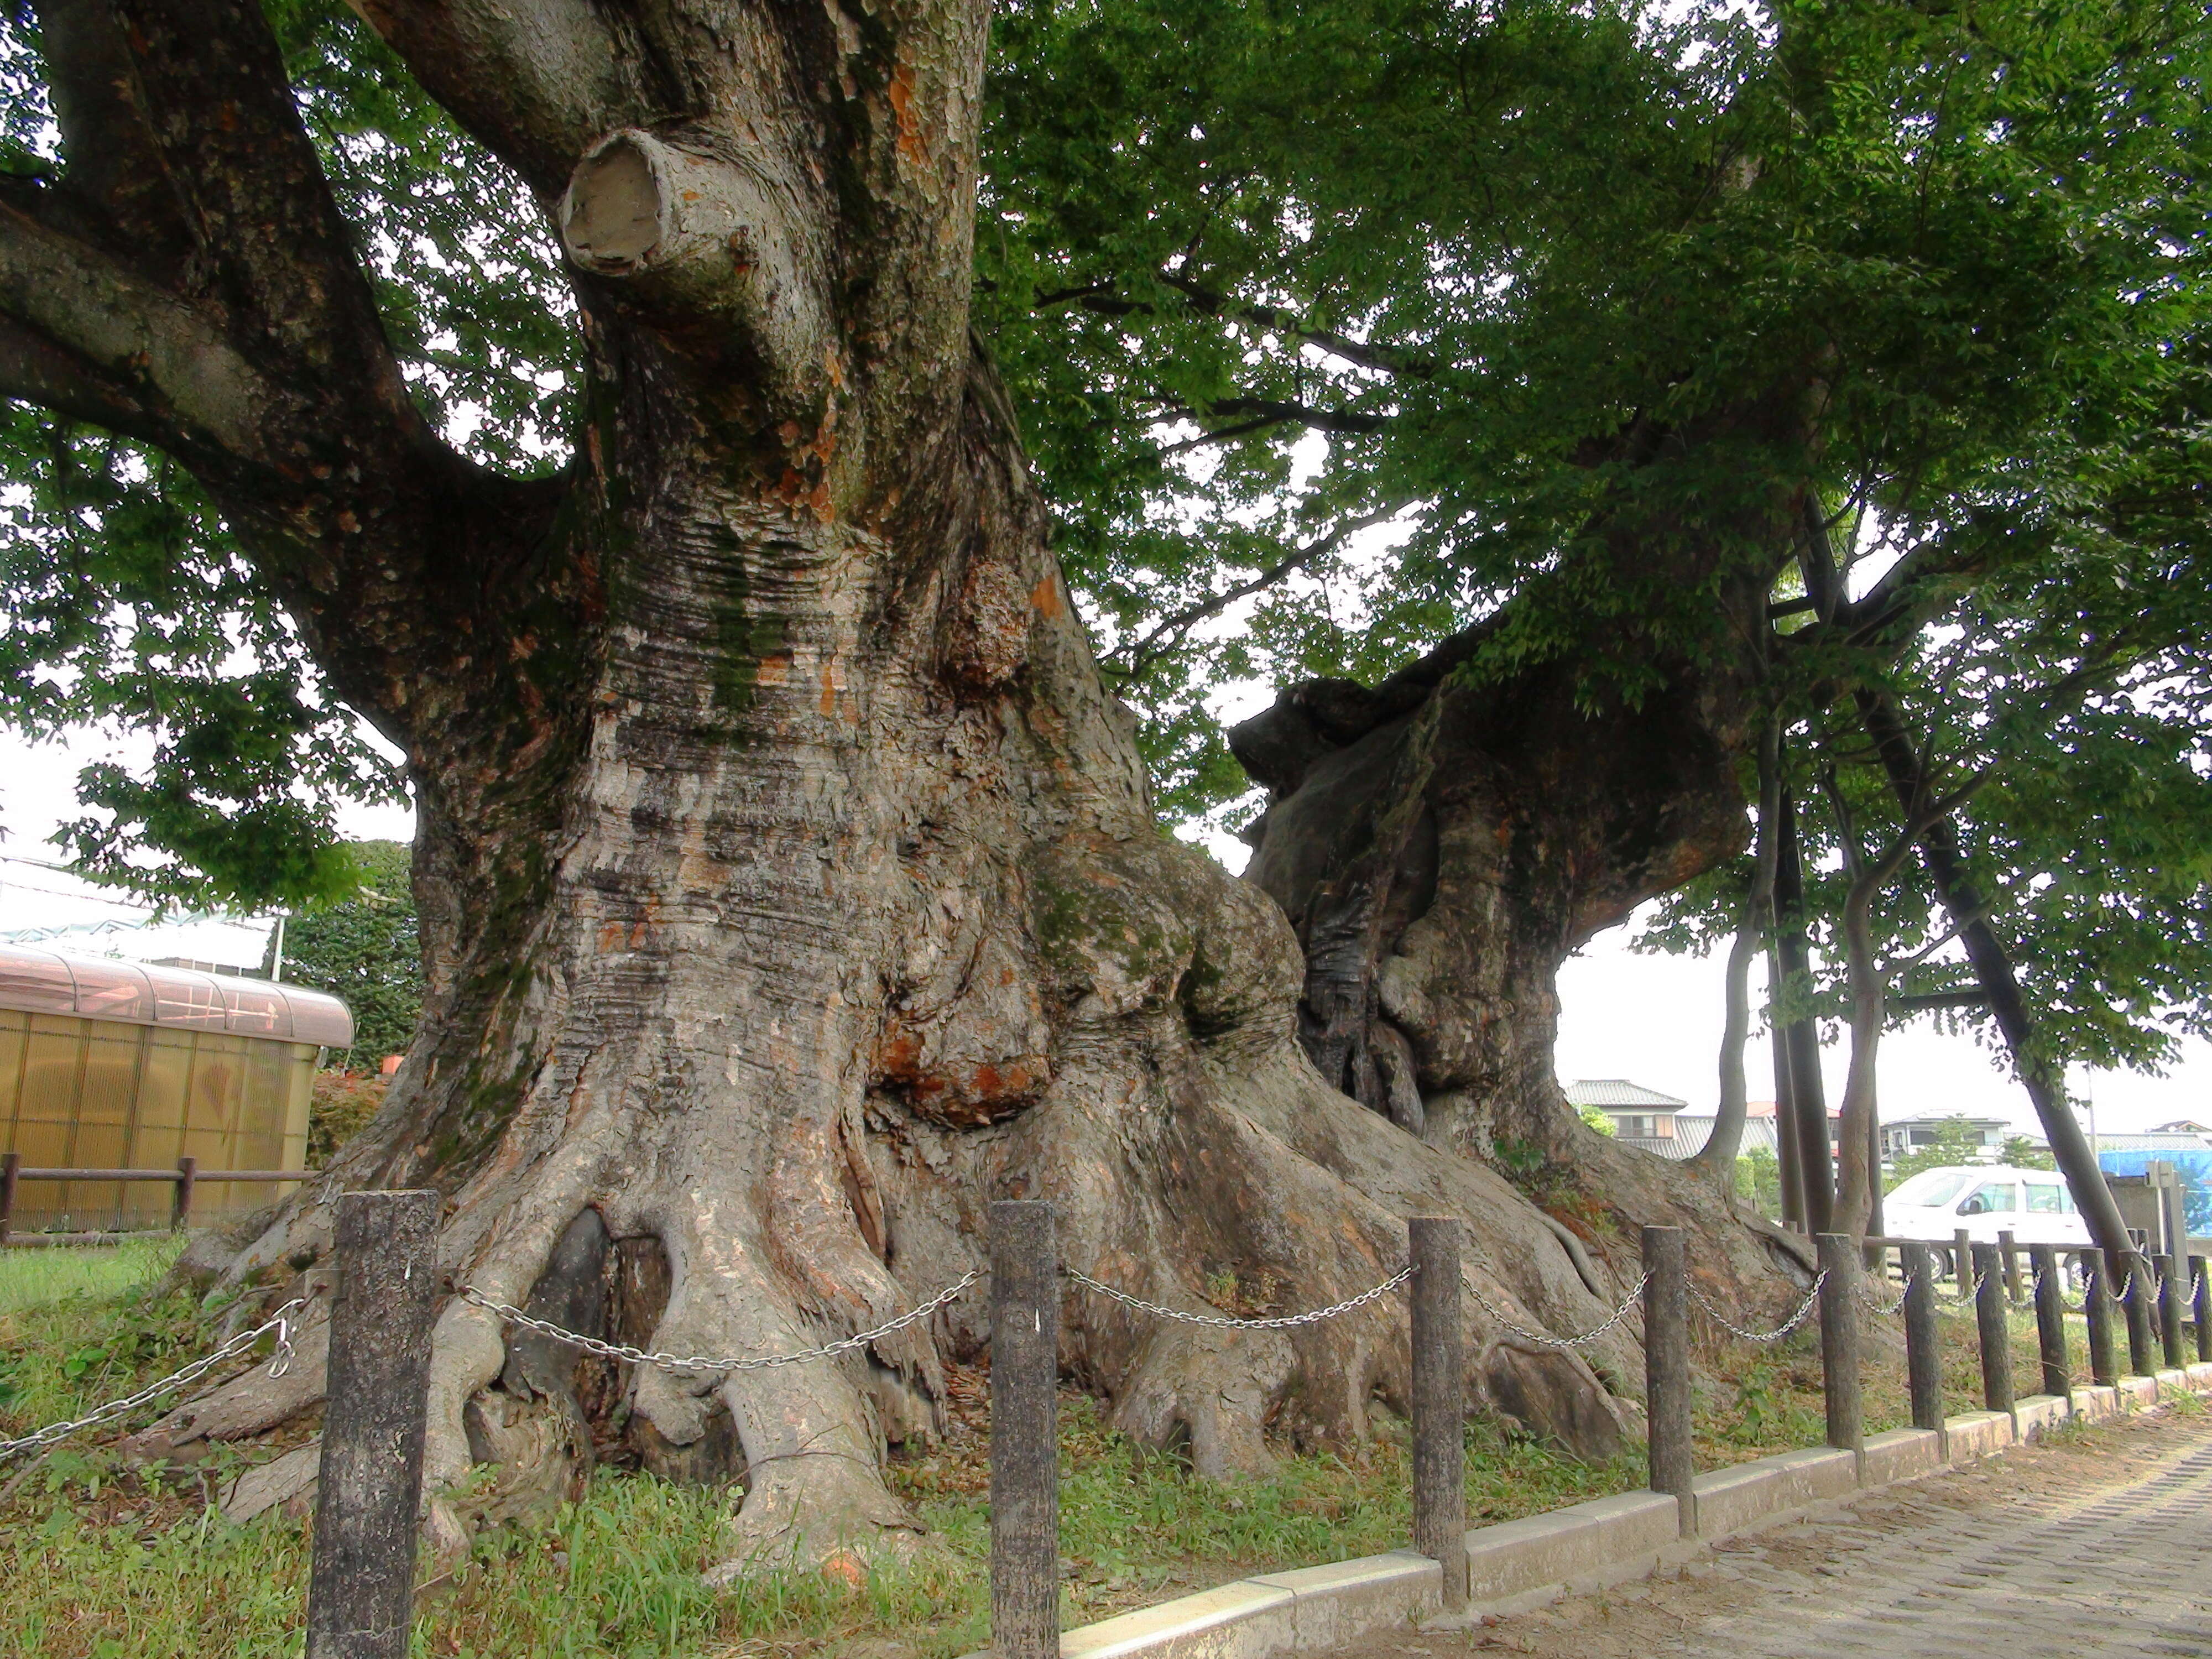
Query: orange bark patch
point(957, 1095)
point(1045, 596)
point(911, 145)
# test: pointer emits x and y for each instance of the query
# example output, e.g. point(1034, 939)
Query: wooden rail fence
point(186, 1178)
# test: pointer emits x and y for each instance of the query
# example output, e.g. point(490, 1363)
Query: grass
point(101, 1563)
point(33, 1278)
point(1770, 1399)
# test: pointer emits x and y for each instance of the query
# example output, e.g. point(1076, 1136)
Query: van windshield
point(1933, 1190)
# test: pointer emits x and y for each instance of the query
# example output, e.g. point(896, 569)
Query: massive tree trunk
point(1443, 841)
point(789, 883)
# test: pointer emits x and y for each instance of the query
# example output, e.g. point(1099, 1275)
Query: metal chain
point(1903, 1292)
point(279, 1363)
point(669, 1362)
point(2064, 1306)
point(1222, 1321)
point(1545, 1339)
point(1812, 1296)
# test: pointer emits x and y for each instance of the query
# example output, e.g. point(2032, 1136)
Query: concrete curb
point(1519, 1564)
point(1768, 1489)
point(2032, 1413)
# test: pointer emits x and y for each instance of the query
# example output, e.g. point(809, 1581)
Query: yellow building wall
point(99, 1094)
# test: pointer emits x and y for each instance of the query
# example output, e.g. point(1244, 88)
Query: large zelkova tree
point(789, 882)
point(1827, 380)
point(789, 875)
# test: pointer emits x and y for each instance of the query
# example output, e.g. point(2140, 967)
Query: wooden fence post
point(2201, 1306)
point(2008, 1247)
point(1439, 1401)
point(1024, 1448)
point(360, 1590)
point(2136, 1302)
point(1667, 1372)
point(1962, 1262)
point(2169, 1310)
point(9, 1163)
point(1994, 1330)
point(1839, 1342)
point(1924, 1355)
point(181, 1208)
point(2097, 1308)
point(2050, 1322)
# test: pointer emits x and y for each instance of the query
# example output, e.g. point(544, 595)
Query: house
point(2181, 1126)
point(1911, 1134)
point(1693, 1129)
point(1641, 1117)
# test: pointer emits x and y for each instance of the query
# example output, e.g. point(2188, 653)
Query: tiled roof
point(1619, 1092)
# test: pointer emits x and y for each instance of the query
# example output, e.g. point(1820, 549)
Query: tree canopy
point(1336, 327)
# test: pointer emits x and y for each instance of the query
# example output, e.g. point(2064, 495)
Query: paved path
point(2100, 1545)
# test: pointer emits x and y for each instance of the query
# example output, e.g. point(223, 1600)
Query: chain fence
point(1812, 1300)
point(1277, 1322)
point(279, 1362)
point(669, 1362)
point(1545, 1339)
point(1876, 1306)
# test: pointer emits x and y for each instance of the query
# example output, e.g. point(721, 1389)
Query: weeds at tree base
point(104, 1564)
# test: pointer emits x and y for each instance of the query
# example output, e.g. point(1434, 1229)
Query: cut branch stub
point(696, 234)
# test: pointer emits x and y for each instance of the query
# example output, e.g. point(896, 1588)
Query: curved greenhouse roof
point(96, 988)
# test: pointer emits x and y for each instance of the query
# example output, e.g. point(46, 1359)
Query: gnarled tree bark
point(789, 884)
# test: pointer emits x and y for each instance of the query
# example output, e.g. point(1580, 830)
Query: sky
point(1652, 1019)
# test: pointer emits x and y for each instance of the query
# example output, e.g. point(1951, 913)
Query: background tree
point(1957, 1141)
point(1866, 326)
point(2023, 1153)
point(363, 948)
point(1758, 1182)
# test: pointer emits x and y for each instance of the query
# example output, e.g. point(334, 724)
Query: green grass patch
point(1767, 1399)
point(103, 1564)
point(35, 1277)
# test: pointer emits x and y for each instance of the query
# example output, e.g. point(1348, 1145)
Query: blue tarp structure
point(2196, 1167)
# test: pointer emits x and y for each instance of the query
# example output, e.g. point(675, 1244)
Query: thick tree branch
point(1100, 299)
point(1274, 409)
point(168, 373)
point(1265, 412)
point(210, 85)
point(1927, 999)
point(117, 191)
point(34, 370)
point(534, 81)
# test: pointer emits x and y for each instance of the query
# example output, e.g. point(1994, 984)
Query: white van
point(1986, 1199)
